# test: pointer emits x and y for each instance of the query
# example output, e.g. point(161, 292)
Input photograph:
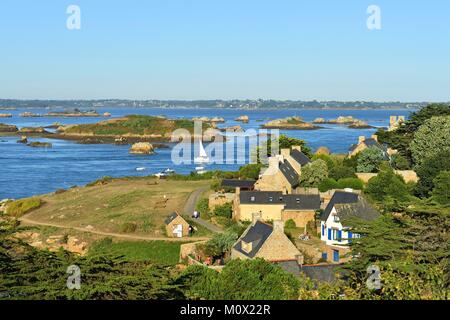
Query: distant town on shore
point(6, 104)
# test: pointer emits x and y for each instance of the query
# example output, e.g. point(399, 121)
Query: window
point(339, 235)
point(336, 255)
point(329, 234)
point(252, 199)
point(323, 230)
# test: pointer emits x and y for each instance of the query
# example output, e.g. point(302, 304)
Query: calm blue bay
point(26, 171)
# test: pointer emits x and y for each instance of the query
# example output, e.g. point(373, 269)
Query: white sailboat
point(203, 157)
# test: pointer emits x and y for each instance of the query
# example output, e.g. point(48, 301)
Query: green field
point(160, 252)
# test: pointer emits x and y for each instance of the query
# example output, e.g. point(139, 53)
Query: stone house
point(262, 240)
point(364, 143)
point(395, 122)
point(274, 205)
point(176, 226)
point(334, 235)
point(283, 172)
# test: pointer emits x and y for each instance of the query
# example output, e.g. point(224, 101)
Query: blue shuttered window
point(323, 230)
point(339, 235)
point(329, 234)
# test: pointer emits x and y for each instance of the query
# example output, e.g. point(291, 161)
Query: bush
point(19, 207)
point(314, 173)
point(328, 184)
point(340, 172)
point(353, 183)
point(441, 190)
point(250, 171)
point(203, 206)
point(388, 185)
point(369, 160)
point(431, 139)
point(128, 227)
point(225, 210)
point(399, 162)
point(290, 224)
point(429, 170)
point(326, 158)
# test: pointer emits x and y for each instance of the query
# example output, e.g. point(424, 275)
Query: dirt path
point(189, 208)
point(28, 221)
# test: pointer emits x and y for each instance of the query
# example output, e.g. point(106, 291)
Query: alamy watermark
point(373, 282)
point(374, 20)
point(73, 21)
point(74, 278)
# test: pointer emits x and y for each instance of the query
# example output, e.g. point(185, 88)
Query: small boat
point(140, 168)
point(203, 157)
point(161, 175)
point(199, 168)
point(168, 170)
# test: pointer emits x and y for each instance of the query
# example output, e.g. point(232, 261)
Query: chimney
point(238, 191)
point(256, 216)
point(375, 137)
point(361, 139)
point(401, 119)
point(392, 120)
point(278, 226)
point(299, 148)
point(285, 152)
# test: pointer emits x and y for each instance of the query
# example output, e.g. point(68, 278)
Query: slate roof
point(369, 142)
point(289, 172)
point(302, 201)
point(238, 183)
point(291, 201)
point(349, 204)
point(257, 234)
point(170, 217)
point(300, 157)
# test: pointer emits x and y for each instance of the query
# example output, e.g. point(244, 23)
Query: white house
point(336, 237)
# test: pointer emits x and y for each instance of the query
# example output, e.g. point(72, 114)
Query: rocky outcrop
point(218, 119)
point(38, 130)
point(206, 119)
point(323, 150)
point(5, 115)
point(23, 139)
point(142, 148)
point(29, 115)
point(290, 123)
point(38, 144)
point(232, 129)
point(244, 119)
point(7, 128)
point(107, 114)
point(351, 122)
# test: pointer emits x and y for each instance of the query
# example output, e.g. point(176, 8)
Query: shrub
point(326, 158)
point(328, 184)
point(314, 173)
point(250, 171)
point(19, 207)
point(203, 206)
point(225, 210)
point(431, 138)
point(339, 172)
point(429, 170)
point(441, 190)
point(388, 184)
point(290, 224)
point(128, 227)
point(399, 162)
point(369, 160)
point(353, 183)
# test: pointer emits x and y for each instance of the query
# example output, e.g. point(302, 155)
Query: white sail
point(202, 150)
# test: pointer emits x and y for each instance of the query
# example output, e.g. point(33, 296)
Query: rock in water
point(7, 128)
point(23, 139)
point(142, 148)
point(244, 119)
point(38, 144)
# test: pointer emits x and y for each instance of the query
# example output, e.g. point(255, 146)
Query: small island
point(290, 123)
point(349, 121)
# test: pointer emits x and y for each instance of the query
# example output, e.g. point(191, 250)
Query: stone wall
point(300, 217)
point(218, 199)
point(408, 175)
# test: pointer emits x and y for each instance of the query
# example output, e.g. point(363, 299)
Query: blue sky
point(198, 49)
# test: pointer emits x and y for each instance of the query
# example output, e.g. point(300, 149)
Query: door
point(178, 231)
point(336, 255)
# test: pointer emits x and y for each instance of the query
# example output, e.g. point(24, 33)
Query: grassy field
point(136, 205)
point(133, 125)
point(161, 252)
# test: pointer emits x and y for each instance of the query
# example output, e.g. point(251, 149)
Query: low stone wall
point(408, 176)
point(218, 199)
point(188, 248)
